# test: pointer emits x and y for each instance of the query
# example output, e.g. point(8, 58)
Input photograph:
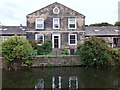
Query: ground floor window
point(39, 38)
point(72, 39)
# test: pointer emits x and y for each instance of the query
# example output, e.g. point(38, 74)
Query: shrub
point(64, 51)
point(95, 52)
point(45, 49)
point(16, 49)
point(116, 55)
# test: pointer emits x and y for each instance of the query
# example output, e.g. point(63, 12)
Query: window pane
point(39, 25)
point(56, 25)
point(72, 25)
point(39, 39)
point(72, 41)
point(72, 36)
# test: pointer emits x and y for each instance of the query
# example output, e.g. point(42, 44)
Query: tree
point(17, 50)
point(95, 52)
point(101, 24)
point(117, 23)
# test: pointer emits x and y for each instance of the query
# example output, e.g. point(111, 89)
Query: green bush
point(16, 49)
point(95, 52)
point(116, 55)
point(64, 51)
point(44, 49)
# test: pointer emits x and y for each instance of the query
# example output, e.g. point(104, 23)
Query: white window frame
point(58, 22)
point(71, 23)
point(39, 22)
point(36, 38)
point(75, 39)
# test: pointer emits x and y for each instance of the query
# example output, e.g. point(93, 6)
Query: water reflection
point(86, 77)
point(56, 83)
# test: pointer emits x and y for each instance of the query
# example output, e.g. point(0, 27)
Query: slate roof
point(89, 31)
point(102, 31)
point(12, 30)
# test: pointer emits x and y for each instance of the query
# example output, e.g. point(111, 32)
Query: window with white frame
point(56, 23)
point(72, 39)
point(39, 23)
point(39, 38)
point(72, 23)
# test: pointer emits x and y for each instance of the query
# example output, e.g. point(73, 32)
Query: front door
point(56, 40)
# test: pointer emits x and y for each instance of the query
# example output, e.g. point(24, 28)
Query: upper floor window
point(72, 23)
point(39, 38)
point(39, 23)
point(56, 23)
point(72, 39)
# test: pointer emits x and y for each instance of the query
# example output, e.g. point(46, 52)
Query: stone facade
point(63, 32)
point(47, 14)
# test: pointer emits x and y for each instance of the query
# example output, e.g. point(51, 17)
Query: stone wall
point(57, 61)
point(41, 61)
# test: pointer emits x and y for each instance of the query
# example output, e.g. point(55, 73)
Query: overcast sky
point(13, 12)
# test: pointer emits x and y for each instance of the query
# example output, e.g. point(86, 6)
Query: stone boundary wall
point(43, 61)
point(57, 61)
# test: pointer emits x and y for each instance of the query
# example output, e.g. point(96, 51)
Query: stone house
point(9, 31)
point(63, 26)
point(109, 33)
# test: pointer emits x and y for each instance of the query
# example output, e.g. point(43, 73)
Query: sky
point(13, 12)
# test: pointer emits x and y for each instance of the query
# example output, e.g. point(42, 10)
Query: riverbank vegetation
point(96, 52)
point(17, 52)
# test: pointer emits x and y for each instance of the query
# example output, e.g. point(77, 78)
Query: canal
point(87, 77)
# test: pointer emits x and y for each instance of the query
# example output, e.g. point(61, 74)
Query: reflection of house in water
point(73, 83)
point(40, 85)
point(57, 83)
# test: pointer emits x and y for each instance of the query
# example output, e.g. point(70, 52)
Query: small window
point(39, 23)
point(72, 39)
point(72, 23)
point(56, 23)
point(39, 38)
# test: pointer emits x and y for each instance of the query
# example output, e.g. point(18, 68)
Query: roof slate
point(11, 30)
point(102, 31)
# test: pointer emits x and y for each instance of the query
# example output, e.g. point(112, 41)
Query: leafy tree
point(101, 24)
point(117, 23)
point(95, 52)
point(18, 50)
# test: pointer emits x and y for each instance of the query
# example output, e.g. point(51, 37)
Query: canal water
point(87, 77)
